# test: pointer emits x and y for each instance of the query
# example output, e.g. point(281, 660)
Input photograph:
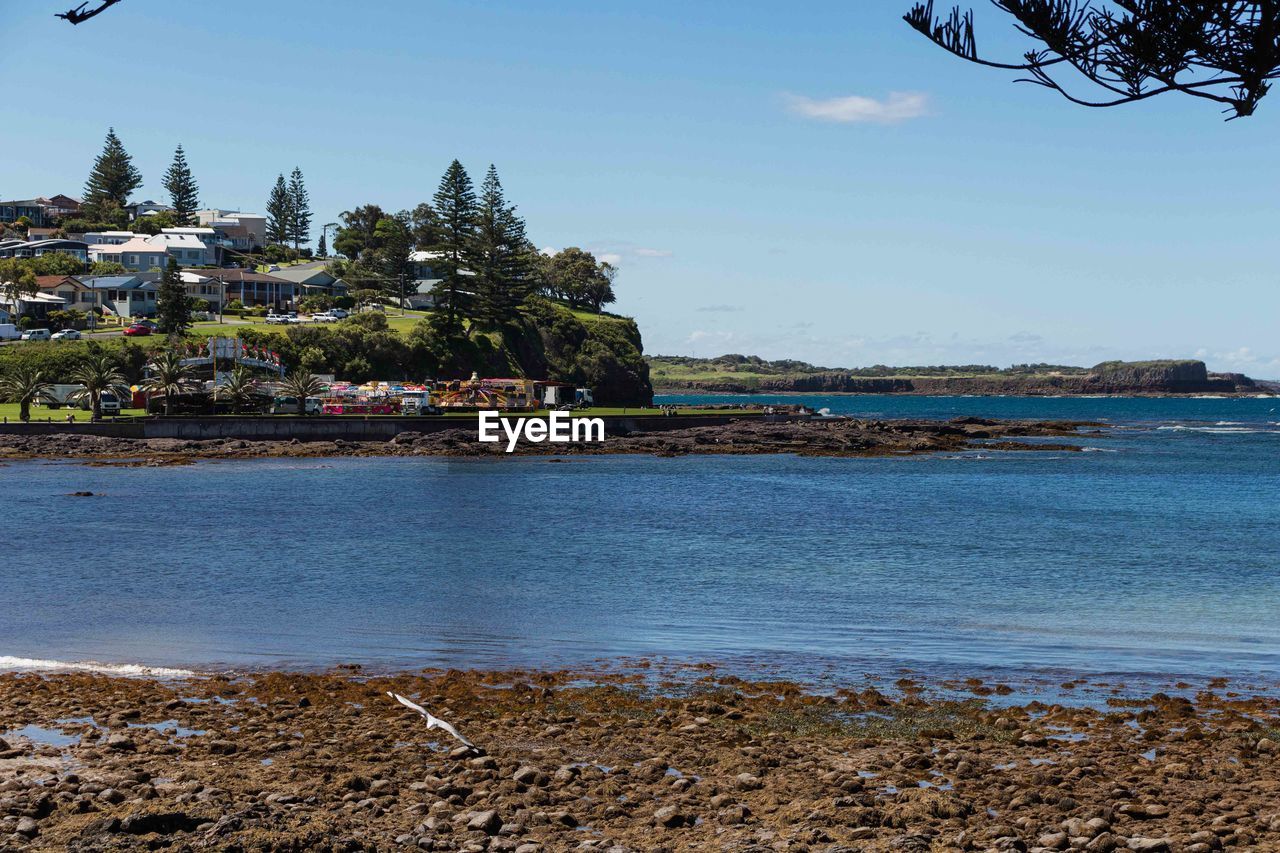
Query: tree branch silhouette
point(78, 15)
point(1226, 51)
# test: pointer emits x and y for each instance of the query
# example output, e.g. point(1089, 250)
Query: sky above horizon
point(814, 182)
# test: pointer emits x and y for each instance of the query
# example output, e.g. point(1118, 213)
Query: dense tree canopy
point(184, 193)
point(575, 276)
point(500, 256)
point(299, 229)
point(357, 231)
point(112, 179)
point(173, 311)
point(455, 209)
point(279, 213)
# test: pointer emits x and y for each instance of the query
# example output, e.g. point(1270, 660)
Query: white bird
point(432, 722)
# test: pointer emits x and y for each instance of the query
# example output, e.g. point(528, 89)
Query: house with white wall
point(186, 245)
point(136, 254)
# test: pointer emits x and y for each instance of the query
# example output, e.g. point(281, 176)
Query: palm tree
point(301, 384)
point(98, 375)
point(26, 385)
point(170, 377)
point(240, 388)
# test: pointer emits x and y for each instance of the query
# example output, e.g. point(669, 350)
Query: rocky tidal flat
point(837, 436)
point(305, 761)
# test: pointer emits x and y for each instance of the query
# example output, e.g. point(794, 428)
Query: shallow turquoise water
point(1153, 556)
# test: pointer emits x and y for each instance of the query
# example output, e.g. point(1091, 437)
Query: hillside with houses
point(463, 288)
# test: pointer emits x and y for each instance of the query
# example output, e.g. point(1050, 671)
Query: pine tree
point(455, 208)
point(173, 312)
point(299, 210)
point(279, 213)
point(184, 193)
point(113, 178)
point(323, 249)
point(391, 258)
point(500, 256)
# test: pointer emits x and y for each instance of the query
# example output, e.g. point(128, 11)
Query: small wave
point(1098, 450)
point(1216, 430)
point(9, 663)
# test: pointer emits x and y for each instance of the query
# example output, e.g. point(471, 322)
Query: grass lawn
point(43, 413)
point(395, 322)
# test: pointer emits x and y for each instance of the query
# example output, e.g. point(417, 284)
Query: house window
point(133, 260)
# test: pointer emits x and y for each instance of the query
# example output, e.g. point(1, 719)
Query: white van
point(37, 335)
point(9, 332)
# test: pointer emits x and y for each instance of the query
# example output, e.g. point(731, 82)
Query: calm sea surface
point(1157, 554)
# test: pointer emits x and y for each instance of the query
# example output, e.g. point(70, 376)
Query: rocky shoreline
point(750, 435)
point(295, 761)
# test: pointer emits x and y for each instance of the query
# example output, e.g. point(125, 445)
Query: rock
point(165, 823)
point(487, 822)
point(1149, 845)
point(26, 826)
point(861, 833)
point(747, 782)
point(670, 817)
point(1094, 827)
point(1206, 838)
point(221, 747)
point(1104, 843)
point(1032, 739)
point(1053, 840)
point(1144, 811)
point(527, 775)
point(120, 743)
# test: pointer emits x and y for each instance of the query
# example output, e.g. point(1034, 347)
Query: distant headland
point(740, 374)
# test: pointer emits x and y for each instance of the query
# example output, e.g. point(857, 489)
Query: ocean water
point(1152, 557)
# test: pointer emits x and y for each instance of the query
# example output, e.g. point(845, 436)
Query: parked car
point(9, 332)
point(36, 335)
point(110, 403)
point(66, 335)
point(138, 330)
point(333, 315)
point(281, 319)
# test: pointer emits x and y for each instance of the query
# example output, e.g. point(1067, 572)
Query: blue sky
point(809, 181)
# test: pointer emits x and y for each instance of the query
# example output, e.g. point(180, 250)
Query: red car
point(137, 329)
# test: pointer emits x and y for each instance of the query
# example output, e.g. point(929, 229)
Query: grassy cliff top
point(740, 367)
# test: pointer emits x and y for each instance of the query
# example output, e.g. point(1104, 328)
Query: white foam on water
point(9, 663)
point(1099, 450)
point(1216, 430)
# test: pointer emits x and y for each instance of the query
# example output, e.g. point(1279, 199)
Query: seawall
point(278, 428)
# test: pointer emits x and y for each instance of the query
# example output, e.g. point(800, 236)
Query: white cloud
point(612, 258)
point(652, 253)
point(898, 107)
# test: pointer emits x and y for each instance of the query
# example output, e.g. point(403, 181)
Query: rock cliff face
point(1147, 377)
